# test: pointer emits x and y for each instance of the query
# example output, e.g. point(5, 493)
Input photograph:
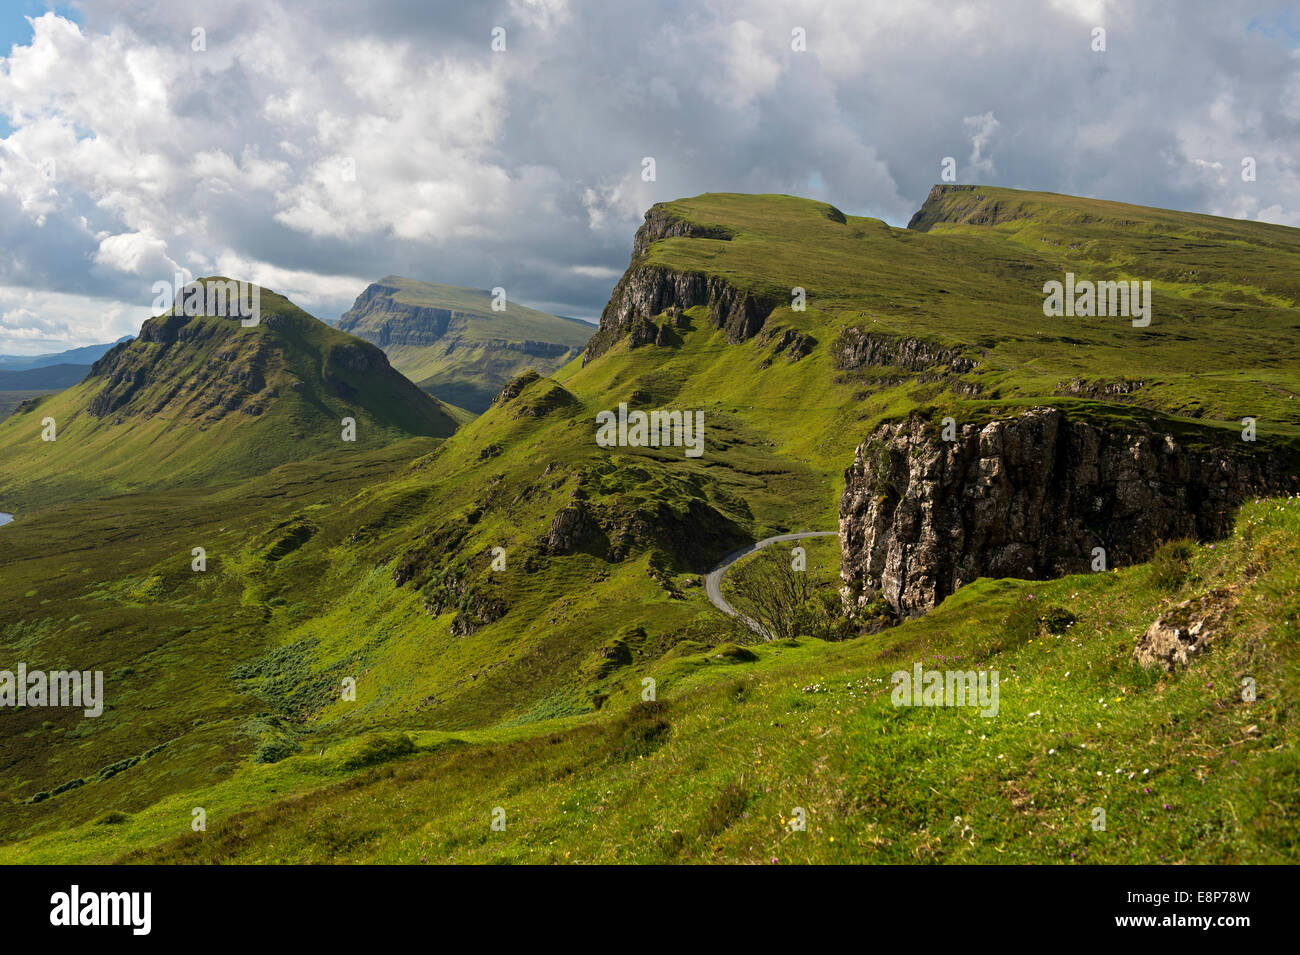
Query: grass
point(521, 688)
point(1185, 770)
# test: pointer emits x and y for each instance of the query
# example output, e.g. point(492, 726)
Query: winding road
point(713, 581)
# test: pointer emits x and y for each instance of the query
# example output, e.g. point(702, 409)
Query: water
point(5, 518)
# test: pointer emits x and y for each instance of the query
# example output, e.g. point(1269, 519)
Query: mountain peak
point(461, 344)
point(208, 397)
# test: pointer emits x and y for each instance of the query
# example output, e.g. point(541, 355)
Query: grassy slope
point(196, 419)
point(1186, 771)
point(778, 439)
point(1222, 343)
point(468, 366)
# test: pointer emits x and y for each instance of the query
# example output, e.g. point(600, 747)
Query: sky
point(314, 147)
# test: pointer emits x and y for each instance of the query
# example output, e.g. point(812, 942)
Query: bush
point(274, 750)
point(1171, 564)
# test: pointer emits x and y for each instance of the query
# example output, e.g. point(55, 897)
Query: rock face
point(645, 291)
point(857, 348)
point(965, 204)
point(1028, 497)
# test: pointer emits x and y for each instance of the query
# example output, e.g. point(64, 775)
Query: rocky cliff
point(647, 290)
point(1029, 497)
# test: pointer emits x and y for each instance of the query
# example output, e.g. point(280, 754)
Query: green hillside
point(202, 400)
point(451, 342)
point(1222, 343)
point(520, 687)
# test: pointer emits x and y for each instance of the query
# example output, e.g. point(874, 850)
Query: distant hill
point(450, 342)
point(203, 400)
point(85, 355)
point(43, 377)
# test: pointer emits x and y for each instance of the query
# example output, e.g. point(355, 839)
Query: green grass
point(518, 686)
point(1222, 343)
point(1184, 768)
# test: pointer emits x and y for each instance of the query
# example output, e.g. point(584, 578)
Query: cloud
point(34, 322)
point(981, 130)
point(136, 254)
point(314, 146)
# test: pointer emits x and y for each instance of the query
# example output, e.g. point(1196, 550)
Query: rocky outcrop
point(965, 205)
point(572, 526)
point(660, 223)
point(1185, 630)
point(404, 324)
point(1029, 497)
point(1101, 388)
point(543, 396)
point(793, 344)
point(645, 291)
point(857, 348)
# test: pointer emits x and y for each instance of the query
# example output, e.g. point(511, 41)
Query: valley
point(527, 615)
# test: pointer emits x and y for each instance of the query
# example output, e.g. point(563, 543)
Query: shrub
point(1171, 564)
point(274, 750)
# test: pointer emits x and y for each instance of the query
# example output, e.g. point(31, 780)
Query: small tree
point(775, 595)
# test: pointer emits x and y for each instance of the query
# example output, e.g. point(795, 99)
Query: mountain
point(43, 377)
point(1067, 432)
point(201, 399)
point(74, 356)
point(522, 605)
point(452, 344)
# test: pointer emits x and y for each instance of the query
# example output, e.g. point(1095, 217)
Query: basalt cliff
point(1032, 496)
point(647, 290)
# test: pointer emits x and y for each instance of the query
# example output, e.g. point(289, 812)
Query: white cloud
point(34, 322)
point(486, 169)
point(981, 129)
point(135, 253)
